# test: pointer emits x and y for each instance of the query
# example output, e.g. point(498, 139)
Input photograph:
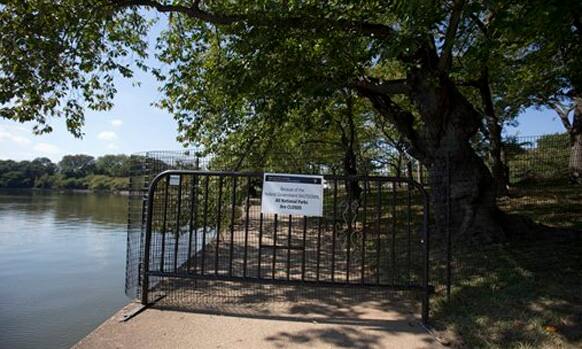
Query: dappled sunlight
point(527, 298)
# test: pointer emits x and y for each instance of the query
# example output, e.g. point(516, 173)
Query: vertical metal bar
point(148, 240)
point(378, 218)
point(193, 223)
point(233, 206)
point(393, 245)
point(364, 233)
point(426, 249)
point(409, 247)
point(164, 221)
point(349, 242)
point(304, 243)
point(197, 184)
point(177, 235)
point(334, 229)
point(260, 254)
point(289, 247)
point(204, 229)
point(218, 223)
point(247, 226)
point(318, 248)
point(448, 220)
point(274, 248)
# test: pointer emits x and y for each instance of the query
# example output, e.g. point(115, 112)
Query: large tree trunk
point(575, 163)
point(498, 167)
point(463, 193)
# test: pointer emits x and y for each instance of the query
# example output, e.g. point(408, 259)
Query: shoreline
point(66, 191)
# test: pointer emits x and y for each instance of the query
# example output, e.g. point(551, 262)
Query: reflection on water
point(62, 265)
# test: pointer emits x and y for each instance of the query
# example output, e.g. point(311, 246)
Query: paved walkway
point(156, 328)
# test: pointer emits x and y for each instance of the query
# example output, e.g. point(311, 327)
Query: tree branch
point(479, 24)
point(402, 119)
point(445, 60)
point(468, 83)
point(365, 28)
point(191, 11)
point(389, 87)
point(563, 112)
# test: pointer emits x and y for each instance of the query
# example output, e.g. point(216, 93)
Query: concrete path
point(156, 328)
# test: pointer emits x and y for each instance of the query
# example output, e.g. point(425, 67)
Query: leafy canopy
point(231, 65)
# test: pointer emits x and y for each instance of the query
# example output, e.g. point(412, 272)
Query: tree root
point(520, 228)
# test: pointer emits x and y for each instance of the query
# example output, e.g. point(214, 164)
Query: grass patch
point(555, 203)
point(527, 296)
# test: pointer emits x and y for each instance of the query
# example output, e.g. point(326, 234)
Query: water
point(62, 264)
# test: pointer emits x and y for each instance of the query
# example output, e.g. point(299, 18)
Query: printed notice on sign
point(289, 194)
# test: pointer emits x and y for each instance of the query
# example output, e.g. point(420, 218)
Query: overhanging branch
point(387, 87)
point(451, 34)
point(402, 119)
point(376, 30)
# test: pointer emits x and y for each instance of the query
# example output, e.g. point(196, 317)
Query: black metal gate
point(204, 225)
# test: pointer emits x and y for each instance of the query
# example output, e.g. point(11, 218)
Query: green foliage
point(24, 174)
point(106, 183)
point(70, 183)
point(14, 179)
point(73, 172)
point(113, 165)
point(58, 58)
point(241, 74)
point(543, 40)
point(77, 165)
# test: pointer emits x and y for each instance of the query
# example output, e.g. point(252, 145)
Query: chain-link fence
point(539, 190)
point(542, 201)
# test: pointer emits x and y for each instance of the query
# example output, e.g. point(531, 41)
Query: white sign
point(174, 180)
point(291, 194)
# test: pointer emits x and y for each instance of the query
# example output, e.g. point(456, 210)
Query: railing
point(205, 225)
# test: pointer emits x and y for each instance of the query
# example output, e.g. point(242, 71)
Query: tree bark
point(463, 191)
point(575, 163)
point(350, 161)
point(498, 167)
point(574, 130)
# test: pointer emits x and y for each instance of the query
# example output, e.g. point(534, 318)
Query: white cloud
point(47, 149)
point(107, 136)
point(112, 146)
point(10, 135)
point(116, 123)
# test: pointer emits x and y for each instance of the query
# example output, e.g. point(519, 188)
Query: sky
point(134, 125)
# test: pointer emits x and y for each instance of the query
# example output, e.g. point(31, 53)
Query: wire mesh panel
point(208, 227)
point(143, 168)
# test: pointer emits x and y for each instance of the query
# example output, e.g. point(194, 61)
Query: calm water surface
point(62, 260)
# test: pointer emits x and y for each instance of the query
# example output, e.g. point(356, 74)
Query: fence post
point(448, 220)
point(148, 237)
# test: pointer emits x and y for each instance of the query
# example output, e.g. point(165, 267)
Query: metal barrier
point(204, 225)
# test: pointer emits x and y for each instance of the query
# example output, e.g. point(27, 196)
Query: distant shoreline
point(76, 191)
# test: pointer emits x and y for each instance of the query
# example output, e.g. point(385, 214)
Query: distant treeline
point(108, 172)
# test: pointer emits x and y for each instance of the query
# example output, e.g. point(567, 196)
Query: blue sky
point(134, 125)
